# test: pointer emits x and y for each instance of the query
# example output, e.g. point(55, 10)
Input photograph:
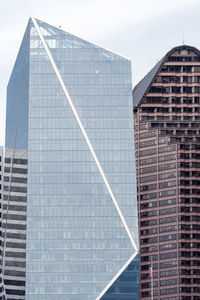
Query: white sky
point(142, 30)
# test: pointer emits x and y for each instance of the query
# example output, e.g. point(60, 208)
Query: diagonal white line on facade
point(117, 275)
point(75, 35)
point(84, 133)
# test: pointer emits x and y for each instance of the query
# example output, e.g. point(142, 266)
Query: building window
point(148, 143)
point(148, 178)
point(148, 152)
point(149, 222)
point(168, 220)
point(168, 273)
point(168, 282)
point(168, 291)
point(168, 246)
point(167, 175)
point(148, 170)
point(167, 157)
point(148, 214)
point(149, 231)
point(168, 255)
point(168, 237)
point(149, 240)
point(168, 228)
point(167, 193)
point(148, 187)
point(148, 161)
point(166, 167)
point(148, 196)
point(147, 134)
point(167, 202)
point(167, 184)
point(149, 249)
point(148, 205)
point(168, 264)
point(7, 160)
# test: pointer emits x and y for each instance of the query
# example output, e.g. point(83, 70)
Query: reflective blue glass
point(126, 287)
point(17, 98)
point(76, 240)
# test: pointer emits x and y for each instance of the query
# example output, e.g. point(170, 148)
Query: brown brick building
point(167, 140)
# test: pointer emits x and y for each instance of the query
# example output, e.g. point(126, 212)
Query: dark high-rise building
point(167, 140)
point(13, 224)
point(69, 105)
point(1, 196)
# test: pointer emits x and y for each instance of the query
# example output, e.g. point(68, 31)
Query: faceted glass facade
point(78, 237)
point(17, 99)
point(126, 285)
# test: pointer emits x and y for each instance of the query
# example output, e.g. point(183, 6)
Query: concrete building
point(167, 141)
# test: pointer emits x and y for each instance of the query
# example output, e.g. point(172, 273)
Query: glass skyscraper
point(70, 105)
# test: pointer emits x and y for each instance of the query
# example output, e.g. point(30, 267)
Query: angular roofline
point(66, 31)
point(141, 88)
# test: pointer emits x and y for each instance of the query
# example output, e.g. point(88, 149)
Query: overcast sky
point(142, 30)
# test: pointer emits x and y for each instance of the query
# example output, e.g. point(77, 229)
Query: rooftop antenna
point(183, 36)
